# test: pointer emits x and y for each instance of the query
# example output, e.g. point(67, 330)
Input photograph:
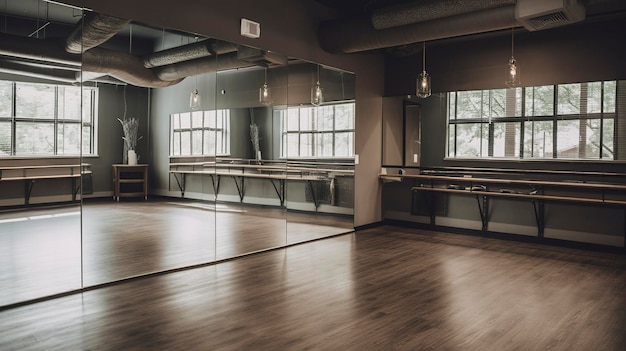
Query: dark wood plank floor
point(387, 288)
point(43, 255)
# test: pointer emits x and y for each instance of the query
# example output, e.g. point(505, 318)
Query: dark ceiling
point(354, 8)
point(398, 27)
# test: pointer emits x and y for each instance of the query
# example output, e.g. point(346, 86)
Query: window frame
point(224, 142)
point(315, 134)
point(57, 120)
point(522, 119)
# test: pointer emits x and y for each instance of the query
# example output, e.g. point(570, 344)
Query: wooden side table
point(130, 181)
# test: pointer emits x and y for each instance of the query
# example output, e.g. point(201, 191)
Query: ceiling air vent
point(544, 14)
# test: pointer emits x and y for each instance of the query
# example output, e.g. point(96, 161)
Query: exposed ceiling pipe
point(359, 35)
point(93, 30)
point(48, 50)
point(15, 68)
point(187, 52)
point(200, 66)
point(428, 10)
point(123, 66)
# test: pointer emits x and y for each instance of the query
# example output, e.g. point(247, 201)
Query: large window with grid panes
point(47, 120)
point(200, 133)
point(563, 121)
point(325, 131)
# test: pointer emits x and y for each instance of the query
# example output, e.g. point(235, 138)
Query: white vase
point(132, 157)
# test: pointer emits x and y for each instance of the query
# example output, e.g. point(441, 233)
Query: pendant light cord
point(512, 42)
point(318, 74)
point(424, 57)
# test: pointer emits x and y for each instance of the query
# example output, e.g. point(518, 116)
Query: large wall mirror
point(238, 150)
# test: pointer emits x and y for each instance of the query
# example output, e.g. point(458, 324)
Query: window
point(566, 121)
point(200, 133)
point(47, 120)
point(318, 132)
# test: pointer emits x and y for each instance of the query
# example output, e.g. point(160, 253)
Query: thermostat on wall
point(250, 29)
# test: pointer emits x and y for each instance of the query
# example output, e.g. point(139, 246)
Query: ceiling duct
point(200, 66)
point(422, 11)
point(188, 52)
point(48, 50)
point(93, 30)
point(37, 71)
point(125, 67)
point(358, 35)
point(260, 57)
point(542, 14)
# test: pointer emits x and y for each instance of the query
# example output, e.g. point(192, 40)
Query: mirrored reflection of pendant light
point(423, 86)
point(317, 93)
point(195, 98)
point(512, 76)
point(265, 92)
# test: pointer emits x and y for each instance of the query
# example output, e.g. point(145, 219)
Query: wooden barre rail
point(522, 196)
point(16, 173)
point(475, 180)
point(262, 167)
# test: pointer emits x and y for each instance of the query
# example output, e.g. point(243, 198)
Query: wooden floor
point(44, 254)
point(387, 288)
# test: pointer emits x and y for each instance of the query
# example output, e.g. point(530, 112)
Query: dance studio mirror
point(228, 171)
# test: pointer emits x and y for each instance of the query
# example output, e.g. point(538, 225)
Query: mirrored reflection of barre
point(537, 191)
point(29, 174)
point(277, 172)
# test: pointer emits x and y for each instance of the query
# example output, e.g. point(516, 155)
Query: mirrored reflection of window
point(47, 120)
point(200, 133)
point(319, 132)
point(566, 121)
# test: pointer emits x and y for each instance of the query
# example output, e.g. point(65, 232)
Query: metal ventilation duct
point(123, 66)
point(400, 15)
point(180, 70)
point(188, 52)
point(36, 49)
point(359, 35)
point(93, 30)
point(544, 14)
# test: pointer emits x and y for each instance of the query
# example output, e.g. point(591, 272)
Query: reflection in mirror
point(317, 144)
point(209, 124)
point(40, 143)
point(251, 191)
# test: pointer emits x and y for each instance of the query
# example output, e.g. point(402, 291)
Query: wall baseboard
point(590, 246)
point(370, 226)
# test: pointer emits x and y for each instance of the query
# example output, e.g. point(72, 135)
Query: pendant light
point(423, 86)
point(195, 98)
point(265, 92)
point(512, 76)
point(317, 93)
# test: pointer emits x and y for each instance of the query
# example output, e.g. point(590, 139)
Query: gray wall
point(110, 143)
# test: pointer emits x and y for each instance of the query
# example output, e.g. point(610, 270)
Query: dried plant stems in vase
point(130, 127)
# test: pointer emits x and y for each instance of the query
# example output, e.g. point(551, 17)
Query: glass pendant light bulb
point(194, 100)
point(317, 93)
point(423, 86)
point(513, 74)
point(265, 93)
